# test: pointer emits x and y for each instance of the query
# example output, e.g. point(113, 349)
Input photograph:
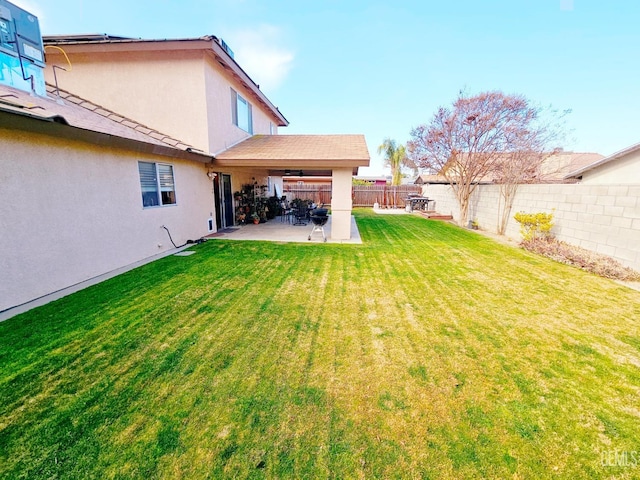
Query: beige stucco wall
point(601, 218)
point(163, 90)
point(341, 203)
point(184, 94)
point(72, 211)
point(242, 176)
point(222, 132)
point(625, 170)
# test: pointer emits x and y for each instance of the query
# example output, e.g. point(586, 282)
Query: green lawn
point(427, 352)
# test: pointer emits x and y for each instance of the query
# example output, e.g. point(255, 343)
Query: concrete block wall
point(601, 218)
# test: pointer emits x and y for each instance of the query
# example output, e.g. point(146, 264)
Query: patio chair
point(287, 211)
point(300, 215)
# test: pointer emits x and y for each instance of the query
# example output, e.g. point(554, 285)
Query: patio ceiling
point(314, 155)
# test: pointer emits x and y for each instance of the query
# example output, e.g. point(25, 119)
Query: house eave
point(275, 165)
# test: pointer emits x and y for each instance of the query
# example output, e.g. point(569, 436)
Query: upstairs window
point(157, 184)
point(241, 112)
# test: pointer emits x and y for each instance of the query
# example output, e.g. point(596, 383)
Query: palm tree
point(395, 157)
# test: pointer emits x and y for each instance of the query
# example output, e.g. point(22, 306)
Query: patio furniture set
point(301, 212)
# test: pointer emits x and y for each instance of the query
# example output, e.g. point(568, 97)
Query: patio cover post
point(341, 203)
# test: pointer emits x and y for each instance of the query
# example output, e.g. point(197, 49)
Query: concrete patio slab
point(277, 231)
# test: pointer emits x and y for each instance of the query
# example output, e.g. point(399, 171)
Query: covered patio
point(278, 231)
point(334, 156)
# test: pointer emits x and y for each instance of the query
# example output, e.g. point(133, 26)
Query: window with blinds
point(157, 184)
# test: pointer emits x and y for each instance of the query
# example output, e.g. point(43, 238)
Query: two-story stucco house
point(193, 89)
point(130, 139)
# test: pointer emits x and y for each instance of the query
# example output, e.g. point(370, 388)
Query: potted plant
point(255, 218)
point(273, 208)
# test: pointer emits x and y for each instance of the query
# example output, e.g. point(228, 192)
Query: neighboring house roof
point(577, 172)
point(84, 116)
point(412, 180)
point(555, 168)
point(298, 151)
point(210, 43)
point(433, 178)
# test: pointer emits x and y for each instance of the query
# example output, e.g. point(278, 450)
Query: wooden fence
point(363, 195)
point(320, 194)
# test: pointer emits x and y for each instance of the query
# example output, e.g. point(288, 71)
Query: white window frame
point(241, 112)
point(157, 200)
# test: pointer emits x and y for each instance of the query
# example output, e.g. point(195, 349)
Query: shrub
point(579, 257)
point(534, 225)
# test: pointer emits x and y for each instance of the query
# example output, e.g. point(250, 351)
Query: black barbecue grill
point(319, 219)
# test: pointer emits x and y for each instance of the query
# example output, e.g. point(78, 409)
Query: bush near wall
point(600, 218)
point(534, 225)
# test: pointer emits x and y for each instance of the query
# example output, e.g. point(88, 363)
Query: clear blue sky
point(382, 68)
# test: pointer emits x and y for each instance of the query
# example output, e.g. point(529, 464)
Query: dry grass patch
point(587, 260)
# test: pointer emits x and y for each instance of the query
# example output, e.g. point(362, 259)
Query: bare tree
point(487, 137)
point(529, 148)
point(516, 168)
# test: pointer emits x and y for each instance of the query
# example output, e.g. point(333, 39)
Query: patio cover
point(338, 156)
point(314, 154)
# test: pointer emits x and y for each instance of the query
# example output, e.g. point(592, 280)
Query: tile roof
point(300, 147)
point(141, 131)
point(556, 168)
point(77, 112)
